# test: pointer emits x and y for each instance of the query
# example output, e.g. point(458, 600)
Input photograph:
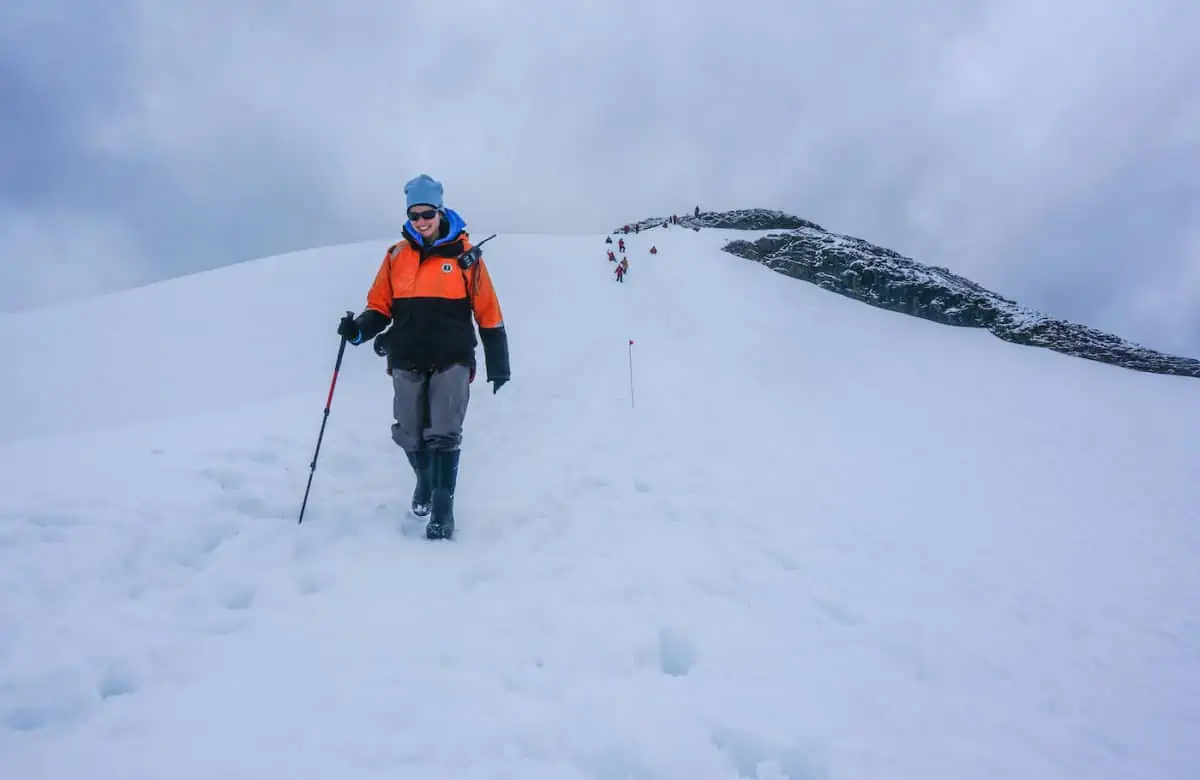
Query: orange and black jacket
point(430, 301)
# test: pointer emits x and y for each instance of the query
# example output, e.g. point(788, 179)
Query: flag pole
point(631, 403)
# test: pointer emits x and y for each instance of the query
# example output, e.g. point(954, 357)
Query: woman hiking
point(429, 292)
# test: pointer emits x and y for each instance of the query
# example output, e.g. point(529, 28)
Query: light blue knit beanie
point(423, 190)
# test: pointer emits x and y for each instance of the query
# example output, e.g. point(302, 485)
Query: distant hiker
point(697, 211)
point(637, 229)
point(621, 245)
point(611, 257)
point(622, 267)
point(653, 250)
point(429, 292)
point(608, 239)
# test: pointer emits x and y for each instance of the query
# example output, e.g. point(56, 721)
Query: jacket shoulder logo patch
point(447, 268)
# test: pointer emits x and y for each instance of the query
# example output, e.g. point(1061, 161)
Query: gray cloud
point(1047, 150)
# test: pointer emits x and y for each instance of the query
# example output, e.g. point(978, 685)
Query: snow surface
point(821, 540)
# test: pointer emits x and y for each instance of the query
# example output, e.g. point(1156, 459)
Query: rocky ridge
point(884, 278)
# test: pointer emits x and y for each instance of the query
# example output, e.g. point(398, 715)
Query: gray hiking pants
point(430, 407)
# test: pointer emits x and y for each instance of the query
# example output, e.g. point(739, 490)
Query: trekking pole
point(631, 405)
point(337, 366)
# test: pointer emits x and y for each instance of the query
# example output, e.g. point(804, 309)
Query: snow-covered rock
point(882, 277)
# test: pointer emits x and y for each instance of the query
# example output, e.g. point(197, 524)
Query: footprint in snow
point(252, 506)
point(838, 612)
point(311, 582)
point(345, 463)
point(412, 526)
point(50, 527)
point(50, 698)
point(236, 597)
point(263, 457)
point(53, 520)
point(226, 479)
point(238, 496)
point(676, 652)
point(203, 543)
point(619, 763)
point(476, 576)
point(118, 679)
point(592, 482)
point(754, 757)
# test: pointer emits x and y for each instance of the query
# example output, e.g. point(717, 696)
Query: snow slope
point(821, 540)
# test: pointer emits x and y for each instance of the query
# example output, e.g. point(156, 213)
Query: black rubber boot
point(444, 466)
point(423, 492)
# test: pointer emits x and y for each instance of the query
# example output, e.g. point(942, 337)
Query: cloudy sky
point(1048, 150)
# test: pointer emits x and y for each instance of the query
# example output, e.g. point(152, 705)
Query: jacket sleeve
point(484, 302)
point(378, 313)
point(488, 316)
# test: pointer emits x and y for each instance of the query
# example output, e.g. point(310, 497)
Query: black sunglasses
point(429, 214)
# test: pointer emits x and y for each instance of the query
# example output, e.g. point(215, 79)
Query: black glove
point(348, 329)
point(495, 351)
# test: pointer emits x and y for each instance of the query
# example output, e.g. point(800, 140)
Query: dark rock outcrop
point(749, 219)
point(881, 277)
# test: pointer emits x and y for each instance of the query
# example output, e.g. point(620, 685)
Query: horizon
point(1046, 152)
point(385, 240)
